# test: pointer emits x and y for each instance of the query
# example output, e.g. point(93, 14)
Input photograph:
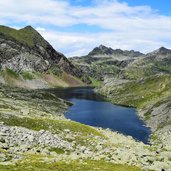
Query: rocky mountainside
point(25, 52)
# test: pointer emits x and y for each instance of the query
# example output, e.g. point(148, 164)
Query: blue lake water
point(90, 109)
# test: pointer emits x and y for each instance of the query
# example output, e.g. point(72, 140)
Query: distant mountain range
point(104, 62)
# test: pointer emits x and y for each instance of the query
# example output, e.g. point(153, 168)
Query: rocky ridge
point(102, 51)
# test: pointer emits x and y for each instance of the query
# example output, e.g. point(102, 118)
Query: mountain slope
point(25, 50)
point(156, 62)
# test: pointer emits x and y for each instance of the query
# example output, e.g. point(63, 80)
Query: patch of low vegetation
point(57, 150)
point(147, 116)
point(9, 72)
point(48, 124)
point(95, 82)
point(27, 75)
point(10, 76)
point(71, 80)
point(88, 165)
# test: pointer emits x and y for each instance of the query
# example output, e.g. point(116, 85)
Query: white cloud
point(75, 44)
point(139, 27)
point(40, 29)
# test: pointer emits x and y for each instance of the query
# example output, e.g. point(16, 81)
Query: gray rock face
point(19, 57)
point(159, 114)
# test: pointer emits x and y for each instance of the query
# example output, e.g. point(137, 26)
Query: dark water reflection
point(90, 109)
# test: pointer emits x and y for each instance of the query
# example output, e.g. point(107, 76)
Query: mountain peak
point(108, 51)
point(29, 27)
point(162, 50)
point(102, 47)
point(101, 50)
point(31, 36)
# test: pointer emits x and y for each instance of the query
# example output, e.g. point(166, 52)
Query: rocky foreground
point(34, 135)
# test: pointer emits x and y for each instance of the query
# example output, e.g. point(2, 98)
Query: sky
point(75, 27)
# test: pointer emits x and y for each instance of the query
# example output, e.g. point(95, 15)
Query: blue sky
point(162, 6)
point(74, 27)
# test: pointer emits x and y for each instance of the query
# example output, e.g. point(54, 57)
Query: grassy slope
point(152, 98)
point(69, 166)
point(26, 35)
point(140, 93)
point(22, 79)
point(55, 126)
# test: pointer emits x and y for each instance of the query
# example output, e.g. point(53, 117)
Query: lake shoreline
point(91, 99)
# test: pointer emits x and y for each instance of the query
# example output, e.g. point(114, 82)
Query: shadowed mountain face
point(26, 50)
